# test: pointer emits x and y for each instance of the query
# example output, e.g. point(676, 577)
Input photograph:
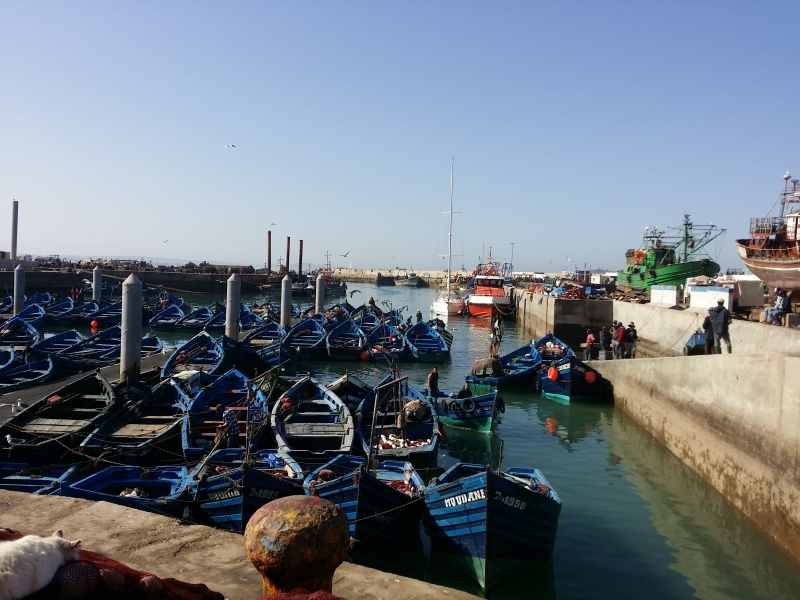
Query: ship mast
point(450, 229)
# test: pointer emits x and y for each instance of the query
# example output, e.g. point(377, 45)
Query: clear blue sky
point(573, 125)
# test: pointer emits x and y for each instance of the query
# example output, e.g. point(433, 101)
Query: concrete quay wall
point(734, 422)
point(566, 319)
point(193, 553)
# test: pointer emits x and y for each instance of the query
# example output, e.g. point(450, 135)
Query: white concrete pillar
point(19, 289)
point(320, 303)
point(14, 218)
point(130, 365)
point(233, 307)
point(97, 283)
point(286, 302)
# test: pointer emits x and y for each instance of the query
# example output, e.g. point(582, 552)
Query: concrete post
point(19, 289)
point(300, 262)
point(269, 253)
point(97, 283)
point(320, 303)
point(130, 364)
point(286, 302)
point(232, 309)
point(14, 217)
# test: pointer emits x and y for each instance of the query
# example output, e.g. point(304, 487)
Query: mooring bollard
point(232, 310)
point(320, 301)
point(286, 303)
point(19, 289)
point(297, 542)
point(131, 352)
point(97, 283)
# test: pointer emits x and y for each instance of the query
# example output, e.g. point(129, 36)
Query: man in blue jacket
point(708, 328)
point(720, 319)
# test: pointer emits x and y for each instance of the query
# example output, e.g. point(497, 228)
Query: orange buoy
point(551, 425)
point(589, 377)
point(552, 373)
point(95, 324)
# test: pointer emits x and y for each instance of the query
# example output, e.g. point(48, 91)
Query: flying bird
point(353, 292)
point(345, 254)
point(13, 441)
point(164, 241)
point(230, 146)
point(273, 223)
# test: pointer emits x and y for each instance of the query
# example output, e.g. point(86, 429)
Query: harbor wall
point(734, 423)
point(663, 331)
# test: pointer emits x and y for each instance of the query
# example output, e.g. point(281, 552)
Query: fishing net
point(97, 577)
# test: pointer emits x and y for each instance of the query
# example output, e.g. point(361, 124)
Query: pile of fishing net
point(97, 577)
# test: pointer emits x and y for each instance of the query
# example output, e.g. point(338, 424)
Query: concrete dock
point(192, 553)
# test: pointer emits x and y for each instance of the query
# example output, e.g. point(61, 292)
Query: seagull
point(164, 241)
point(13, 441)
point(345, 254)
point(273, 223)
point(14, 410)
point(230, 146)
point(353, 292)
point(21, 404)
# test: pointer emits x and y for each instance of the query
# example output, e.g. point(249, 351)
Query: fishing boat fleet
point(219, 431)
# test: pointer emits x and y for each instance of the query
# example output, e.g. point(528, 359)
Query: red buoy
point(589, 377)
point(552, 373)
point(363, 355)
point(95, 324)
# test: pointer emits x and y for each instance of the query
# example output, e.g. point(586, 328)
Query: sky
point(572, 126)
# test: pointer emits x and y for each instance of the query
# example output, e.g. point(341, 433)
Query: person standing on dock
point(708, 329)
point(433, 383)
point(720, 319)
point(613, 334)
point(419, 315)
point(602, 337)
point(587, 351)
point(620, 340)
point(631, 337)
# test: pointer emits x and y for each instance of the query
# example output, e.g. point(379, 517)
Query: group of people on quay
point(618, 339)
point(715, 327)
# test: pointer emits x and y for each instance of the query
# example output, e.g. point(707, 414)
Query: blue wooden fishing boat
point(426, 344)
point(473, 412)
point(56, 343)
point(159, 490)
point(86, 356)
point(82, 310)
point(26, 376)
point(201, 353)
point(346, 341)
point(19, 333)
point(350, 390)
point(145, 431)
point(491, 525)
point(248, 319)
point(441, 328)
point(6, 304)
point(563, 378)
point(393, 317)
point(217, 322)
point(249, 361)
point(196, 319)
point(151, 344)
point(367, 321)
point(8, 359)
point(520, 366)
point(42, 298)
point(417, 441)
point(50, 428)
point(383, 508)
point(167, 318)
point(233, 391)
point(226, 490)
point(311, 423)
point(306, 338)
point(110, 315)
point(33, 315)
point(41, 481)
point(386, 340)
point(61, 310)
point(95, 346)
point(267, 336)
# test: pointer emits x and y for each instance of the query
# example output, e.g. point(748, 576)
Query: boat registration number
point(266, 494)
point(465, 498)
point(509, 500)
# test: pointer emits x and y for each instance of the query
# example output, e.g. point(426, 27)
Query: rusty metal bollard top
point(297, 542)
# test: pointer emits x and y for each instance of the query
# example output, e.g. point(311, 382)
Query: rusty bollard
point(297, 542)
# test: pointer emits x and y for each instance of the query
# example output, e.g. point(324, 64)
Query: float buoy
point(94, 324)
point(589, 377)
point(552, 373)
point(363, 355)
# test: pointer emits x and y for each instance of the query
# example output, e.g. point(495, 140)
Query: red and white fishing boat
point(489, 297)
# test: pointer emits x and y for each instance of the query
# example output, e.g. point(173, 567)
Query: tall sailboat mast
point(450, 229)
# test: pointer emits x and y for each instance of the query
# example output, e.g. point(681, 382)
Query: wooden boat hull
point(426, 344)
point(45, 481)
point(452, 411)
point(201, 353)
point(489, 526)
point(519, 367)
point(26, 376)
point(227, 500)
point(574, 381)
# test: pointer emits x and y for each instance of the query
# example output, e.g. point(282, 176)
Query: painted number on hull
point(465, 498)
point(266, 494)
point(509, 500)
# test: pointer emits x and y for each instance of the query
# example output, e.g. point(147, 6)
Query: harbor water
point(636, 523)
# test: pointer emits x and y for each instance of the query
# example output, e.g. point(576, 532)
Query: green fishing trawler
point(670, 257)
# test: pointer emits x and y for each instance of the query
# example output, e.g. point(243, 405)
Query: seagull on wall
point(13, 441)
